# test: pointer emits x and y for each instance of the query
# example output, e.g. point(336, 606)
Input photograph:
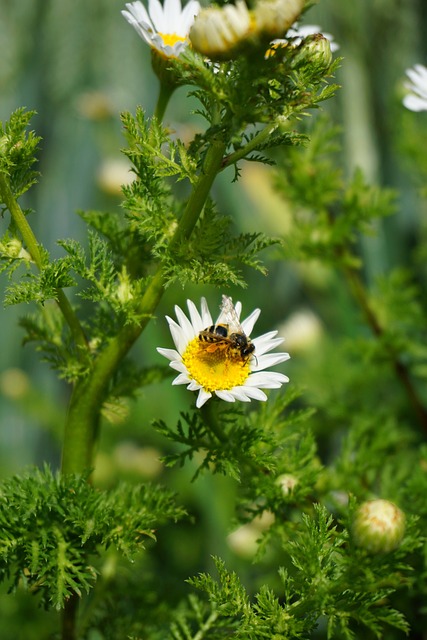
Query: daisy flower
point(213, 368)
point(164, 28)
point(416, 100)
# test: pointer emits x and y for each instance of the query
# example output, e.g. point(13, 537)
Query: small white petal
point(240, 393)
point(170, 354)
point(178, 365)
point(202, 398)
point(249, 322)
point(413, 103)
point(255, 393)
point(185, 323)
point(188, 14)
point(181, 379)
point(266, 379)
point(265, 343)
point(194, 386)
point(225, 395)
point(177, 335)
point(195, 316)
point(270, 360)
point(206, 315)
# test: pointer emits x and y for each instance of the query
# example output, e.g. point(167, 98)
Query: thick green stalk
point(33, 249)
point(88, 395)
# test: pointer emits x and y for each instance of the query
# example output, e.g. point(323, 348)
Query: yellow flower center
point(213, 366)
point(171, 38)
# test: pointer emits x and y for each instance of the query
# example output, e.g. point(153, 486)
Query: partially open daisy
point(416, 100)
point(213, 364)
point(164, 28)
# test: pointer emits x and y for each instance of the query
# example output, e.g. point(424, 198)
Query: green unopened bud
point(273, 18)
point(378, 526)
point(317, 48)
point(217, 31)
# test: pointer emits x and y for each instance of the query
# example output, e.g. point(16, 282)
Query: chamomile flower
point(164, 28)
point(416, 100)
point(217, 367)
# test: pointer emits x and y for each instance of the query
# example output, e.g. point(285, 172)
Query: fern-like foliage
point(323, 578)
point(52, 529)
point(18, 151)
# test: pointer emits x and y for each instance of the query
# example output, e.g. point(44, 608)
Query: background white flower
point(165, 28)
point(240, 381)
point(416, 100)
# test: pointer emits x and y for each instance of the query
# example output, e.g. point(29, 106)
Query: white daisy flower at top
point(217, 367)
point(165, 28)
point(416, 100)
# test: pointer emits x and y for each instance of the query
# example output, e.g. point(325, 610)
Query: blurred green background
point(79, 64)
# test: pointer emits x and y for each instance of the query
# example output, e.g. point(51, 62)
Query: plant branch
point(400, 369)
point(88, 395)
point(35, 252)
point(260, 138)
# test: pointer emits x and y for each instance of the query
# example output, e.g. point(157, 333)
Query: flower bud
point(274, 17)
point(378, 526)
point(316, 49)
point(287, 482)
point(216, 30)
point(124, 291)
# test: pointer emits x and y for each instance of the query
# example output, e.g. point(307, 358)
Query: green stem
point(165, 93)
point(260, 138)
point(69, 617)
point(35, 252)
point(88, 395)
point(21, 221)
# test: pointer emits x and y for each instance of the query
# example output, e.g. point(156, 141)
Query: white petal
point(255, 393)
point(194, 386)
point(170, 354)
point(172, 13)
point(240, 394)
point(195, 316)
point(185, 323)
point(155, 10)
point(269, 360)
point(225, 395)
point(181, 379)
point(266, 380)
point(266, 342)
point(249, 322)
point(189, 12)
point(413, 103)
point(206, 316)
point(178, 365)
point(177, 335)
point(202, 398)
point(238, 308)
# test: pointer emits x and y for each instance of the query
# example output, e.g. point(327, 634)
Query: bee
point(227, 334)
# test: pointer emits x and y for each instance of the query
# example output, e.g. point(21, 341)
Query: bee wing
point(228, 315)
